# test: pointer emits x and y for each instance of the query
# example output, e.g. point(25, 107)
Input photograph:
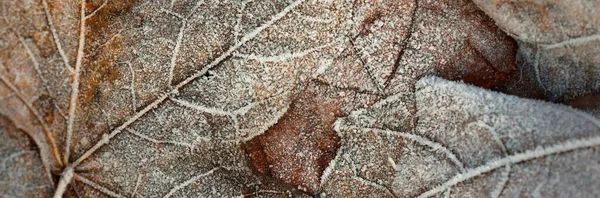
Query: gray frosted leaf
point(470, 142)
point(485, 129)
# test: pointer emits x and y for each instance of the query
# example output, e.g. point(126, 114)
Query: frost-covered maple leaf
point(298, 98)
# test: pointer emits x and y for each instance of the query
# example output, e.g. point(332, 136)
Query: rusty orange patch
point(300, 146)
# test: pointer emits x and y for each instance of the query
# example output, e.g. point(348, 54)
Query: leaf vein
point(175, 89)
point(566, 146)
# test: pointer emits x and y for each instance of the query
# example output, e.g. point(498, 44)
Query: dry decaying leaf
point(336, 98)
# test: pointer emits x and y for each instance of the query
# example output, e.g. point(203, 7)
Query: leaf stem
point(75, 83)
point(65, 179)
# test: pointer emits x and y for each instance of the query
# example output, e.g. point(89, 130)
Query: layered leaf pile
point(332, 98)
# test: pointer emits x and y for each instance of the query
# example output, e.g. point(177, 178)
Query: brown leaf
point(300, 146)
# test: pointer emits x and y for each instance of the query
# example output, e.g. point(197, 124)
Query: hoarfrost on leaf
point(296, 98)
